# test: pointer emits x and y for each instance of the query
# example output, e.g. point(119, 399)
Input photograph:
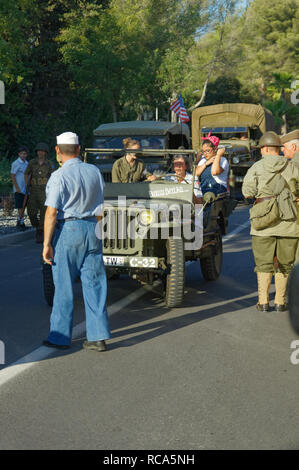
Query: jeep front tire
point(175, 278)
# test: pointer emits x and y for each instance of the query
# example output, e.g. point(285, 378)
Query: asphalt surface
point(213, 374)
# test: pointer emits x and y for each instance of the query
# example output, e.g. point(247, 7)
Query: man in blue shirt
point(74, 200)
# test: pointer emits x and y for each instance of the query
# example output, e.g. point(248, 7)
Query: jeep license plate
point(143, 262)
point(114, 260)
point(131, 261)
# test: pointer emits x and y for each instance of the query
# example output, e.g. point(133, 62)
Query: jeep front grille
point(107, 177)
point(116, 229)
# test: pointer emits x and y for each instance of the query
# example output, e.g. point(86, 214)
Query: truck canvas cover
point(129, 128)
point(231, 115)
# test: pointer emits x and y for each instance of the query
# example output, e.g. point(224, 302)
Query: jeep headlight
point(146, 217)
point(236, 160)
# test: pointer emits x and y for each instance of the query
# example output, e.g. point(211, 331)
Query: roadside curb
point(6, 240)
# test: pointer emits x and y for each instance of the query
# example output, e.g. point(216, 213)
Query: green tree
point(270, 42)
point(117, 52)
point(279, 90)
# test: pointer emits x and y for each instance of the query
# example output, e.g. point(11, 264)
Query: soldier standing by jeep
point(291, 151)
point(37, 174)
point(280, 239)
point(290, 148)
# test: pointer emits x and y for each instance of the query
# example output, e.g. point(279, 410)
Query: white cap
point(67, 138)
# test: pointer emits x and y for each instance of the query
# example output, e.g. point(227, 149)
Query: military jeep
point(150, 229)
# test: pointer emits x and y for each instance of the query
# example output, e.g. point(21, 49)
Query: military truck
point(239, 127)
point(150, 229)
point(150, 134)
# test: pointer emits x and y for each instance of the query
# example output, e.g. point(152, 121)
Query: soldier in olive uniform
point(279, 240)
point(129, 169)
point(290, 148)
point(291, 151)
point(37, 174)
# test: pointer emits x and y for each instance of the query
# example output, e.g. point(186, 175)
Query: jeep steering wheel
point(161, 177)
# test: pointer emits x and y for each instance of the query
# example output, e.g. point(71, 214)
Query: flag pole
point(182, 138)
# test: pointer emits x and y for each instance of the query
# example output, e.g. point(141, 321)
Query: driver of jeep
point(130, 169)
point(181, 165)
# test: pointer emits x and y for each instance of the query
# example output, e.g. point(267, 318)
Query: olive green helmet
point(270, 139)
point(42, 146)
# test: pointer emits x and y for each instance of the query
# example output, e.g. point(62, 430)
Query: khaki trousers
point(36, 208)
point(266, 248)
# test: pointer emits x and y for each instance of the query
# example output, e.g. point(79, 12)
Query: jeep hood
point(150, 191)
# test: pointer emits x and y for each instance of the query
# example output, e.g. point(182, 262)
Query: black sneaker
point(53, 345)
point(95, 345)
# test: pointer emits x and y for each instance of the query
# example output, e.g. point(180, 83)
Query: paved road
point(213, 374)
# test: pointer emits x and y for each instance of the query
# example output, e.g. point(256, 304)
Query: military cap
point(270, 139)
point(67, 138)
point(294, 135)
point(42, 146)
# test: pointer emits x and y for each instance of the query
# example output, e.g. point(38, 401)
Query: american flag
point(178, 108)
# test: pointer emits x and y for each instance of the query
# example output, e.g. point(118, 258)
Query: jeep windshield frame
point(153, 189)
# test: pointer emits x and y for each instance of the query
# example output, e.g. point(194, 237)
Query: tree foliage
point(73, 64)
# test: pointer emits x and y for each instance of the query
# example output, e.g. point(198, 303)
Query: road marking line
point(14, 369)
point(41, 353)
point(230, 235)
point(236, 231)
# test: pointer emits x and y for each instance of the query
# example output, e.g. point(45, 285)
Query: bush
point(5, 166)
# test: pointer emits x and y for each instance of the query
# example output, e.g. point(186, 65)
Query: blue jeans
point(77, 252)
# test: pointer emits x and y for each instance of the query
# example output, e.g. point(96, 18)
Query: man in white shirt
point(181, 166)
point(17, 172)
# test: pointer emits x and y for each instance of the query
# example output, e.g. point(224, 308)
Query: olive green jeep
point(150, 229)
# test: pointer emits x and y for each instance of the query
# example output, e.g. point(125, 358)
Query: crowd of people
point(65, 205)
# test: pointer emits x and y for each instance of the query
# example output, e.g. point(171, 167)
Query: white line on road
point(43, 352)
point(236, 231)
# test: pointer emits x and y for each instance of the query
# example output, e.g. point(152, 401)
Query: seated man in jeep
point(181, 166)
point(129, 169)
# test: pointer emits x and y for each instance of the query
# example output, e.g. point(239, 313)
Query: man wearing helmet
point(37, 174)
point(274, 246)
